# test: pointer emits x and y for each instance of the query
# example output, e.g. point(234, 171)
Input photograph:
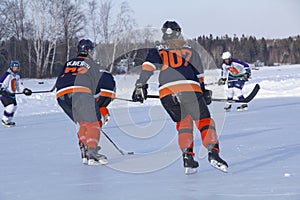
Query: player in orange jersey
point(182, 94)
point(77, 86)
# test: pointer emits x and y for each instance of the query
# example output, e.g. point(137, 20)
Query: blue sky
point(260, 18)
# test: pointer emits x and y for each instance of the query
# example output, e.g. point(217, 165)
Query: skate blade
point(93, 162)
point(84, 161)
point(189, 170)
point(242, 109)
point(8, 126)
point(221, 167)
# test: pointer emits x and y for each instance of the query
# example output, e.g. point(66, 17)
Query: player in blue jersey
point(236, 73)
point(182, 94)
point(77, 90)
point(105, 94)
point(10, 84)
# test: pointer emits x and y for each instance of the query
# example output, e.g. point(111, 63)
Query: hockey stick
point(124, 99)
point(42, 91)
point(245, 100)
point(213, 83)
point(130, 153)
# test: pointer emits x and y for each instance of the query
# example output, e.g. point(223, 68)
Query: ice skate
point(83, 149)
point(217, 162)
point(8, 124)
point(227, 107)
point(95, 158)
point(242, 107)
point(189, 163)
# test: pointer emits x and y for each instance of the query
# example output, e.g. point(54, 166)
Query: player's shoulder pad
point(84, 68)
point(240, 62)
point(187, 46)
point(78, 63)
point(103, 71)
point(3, 77)
point(161, 46)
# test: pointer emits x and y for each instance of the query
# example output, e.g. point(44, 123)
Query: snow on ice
point(40, 158)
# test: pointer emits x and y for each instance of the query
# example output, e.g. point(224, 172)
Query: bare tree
point(125, 21)
point(46, 31)
point(94, 20)
point(73, 23)
point(105, 17)
point(12, 17)
point(3, 20)
point(17, 19)
point(122, 32)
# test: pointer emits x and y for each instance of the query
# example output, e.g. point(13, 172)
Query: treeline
point(42, 35)
point(23, 51)
point(250, 49)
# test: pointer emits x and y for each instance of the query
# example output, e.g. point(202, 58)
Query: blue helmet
point(85, 47)
point(14, 63)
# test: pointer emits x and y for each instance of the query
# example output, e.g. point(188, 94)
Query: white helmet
point(226, 55)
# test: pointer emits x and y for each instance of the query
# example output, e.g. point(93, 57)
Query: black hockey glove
point(207, 96)
point(222, 81)
point(3, 92)
point(140, 92)
point(27, 92)
point(246, 77)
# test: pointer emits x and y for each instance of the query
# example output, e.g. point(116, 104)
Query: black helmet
point(171, 30)
point(14, 63)
point(85, 47)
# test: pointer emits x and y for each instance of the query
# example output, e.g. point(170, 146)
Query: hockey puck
point(131, 153)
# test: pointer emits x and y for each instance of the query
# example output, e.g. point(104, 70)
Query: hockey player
point(76, 87)
point(182, 94)
point(105, 94)
point(10, 84)
point(237, 72)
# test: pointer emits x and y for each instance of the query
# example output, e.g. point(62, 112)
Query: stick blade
point(246, 100)
point(251, 95)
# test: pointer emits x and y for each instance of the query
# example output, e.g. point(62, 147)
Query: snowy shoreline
point(279, 81)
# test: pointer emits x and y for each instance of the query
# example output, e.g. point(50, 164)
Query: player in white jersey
point(9, 85)
point(237, 72)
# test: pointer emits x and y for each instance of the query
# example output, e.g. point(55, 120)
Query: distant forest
point(43, 34)
point(249, 49)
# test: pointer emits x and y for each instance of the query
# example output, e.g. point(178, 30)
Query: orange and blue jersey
point(106, 86)
point(69, 82)
point(181, 69)
point(105, 92)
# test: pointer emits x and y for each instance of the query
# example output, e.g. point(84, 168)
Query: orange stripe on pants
point(91, 130)
point(207, 128)
point(185, 133)
point(81, 133)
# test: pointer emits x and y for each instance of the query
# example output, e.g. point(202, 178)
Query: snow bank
point(279, 81)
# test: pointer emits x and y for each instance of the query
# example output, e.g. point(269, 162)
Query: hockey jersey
point(181, 69)
point(106, 86)
point(78, 75)
point(11, 82)
point(235, 70)
point(83, 75)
